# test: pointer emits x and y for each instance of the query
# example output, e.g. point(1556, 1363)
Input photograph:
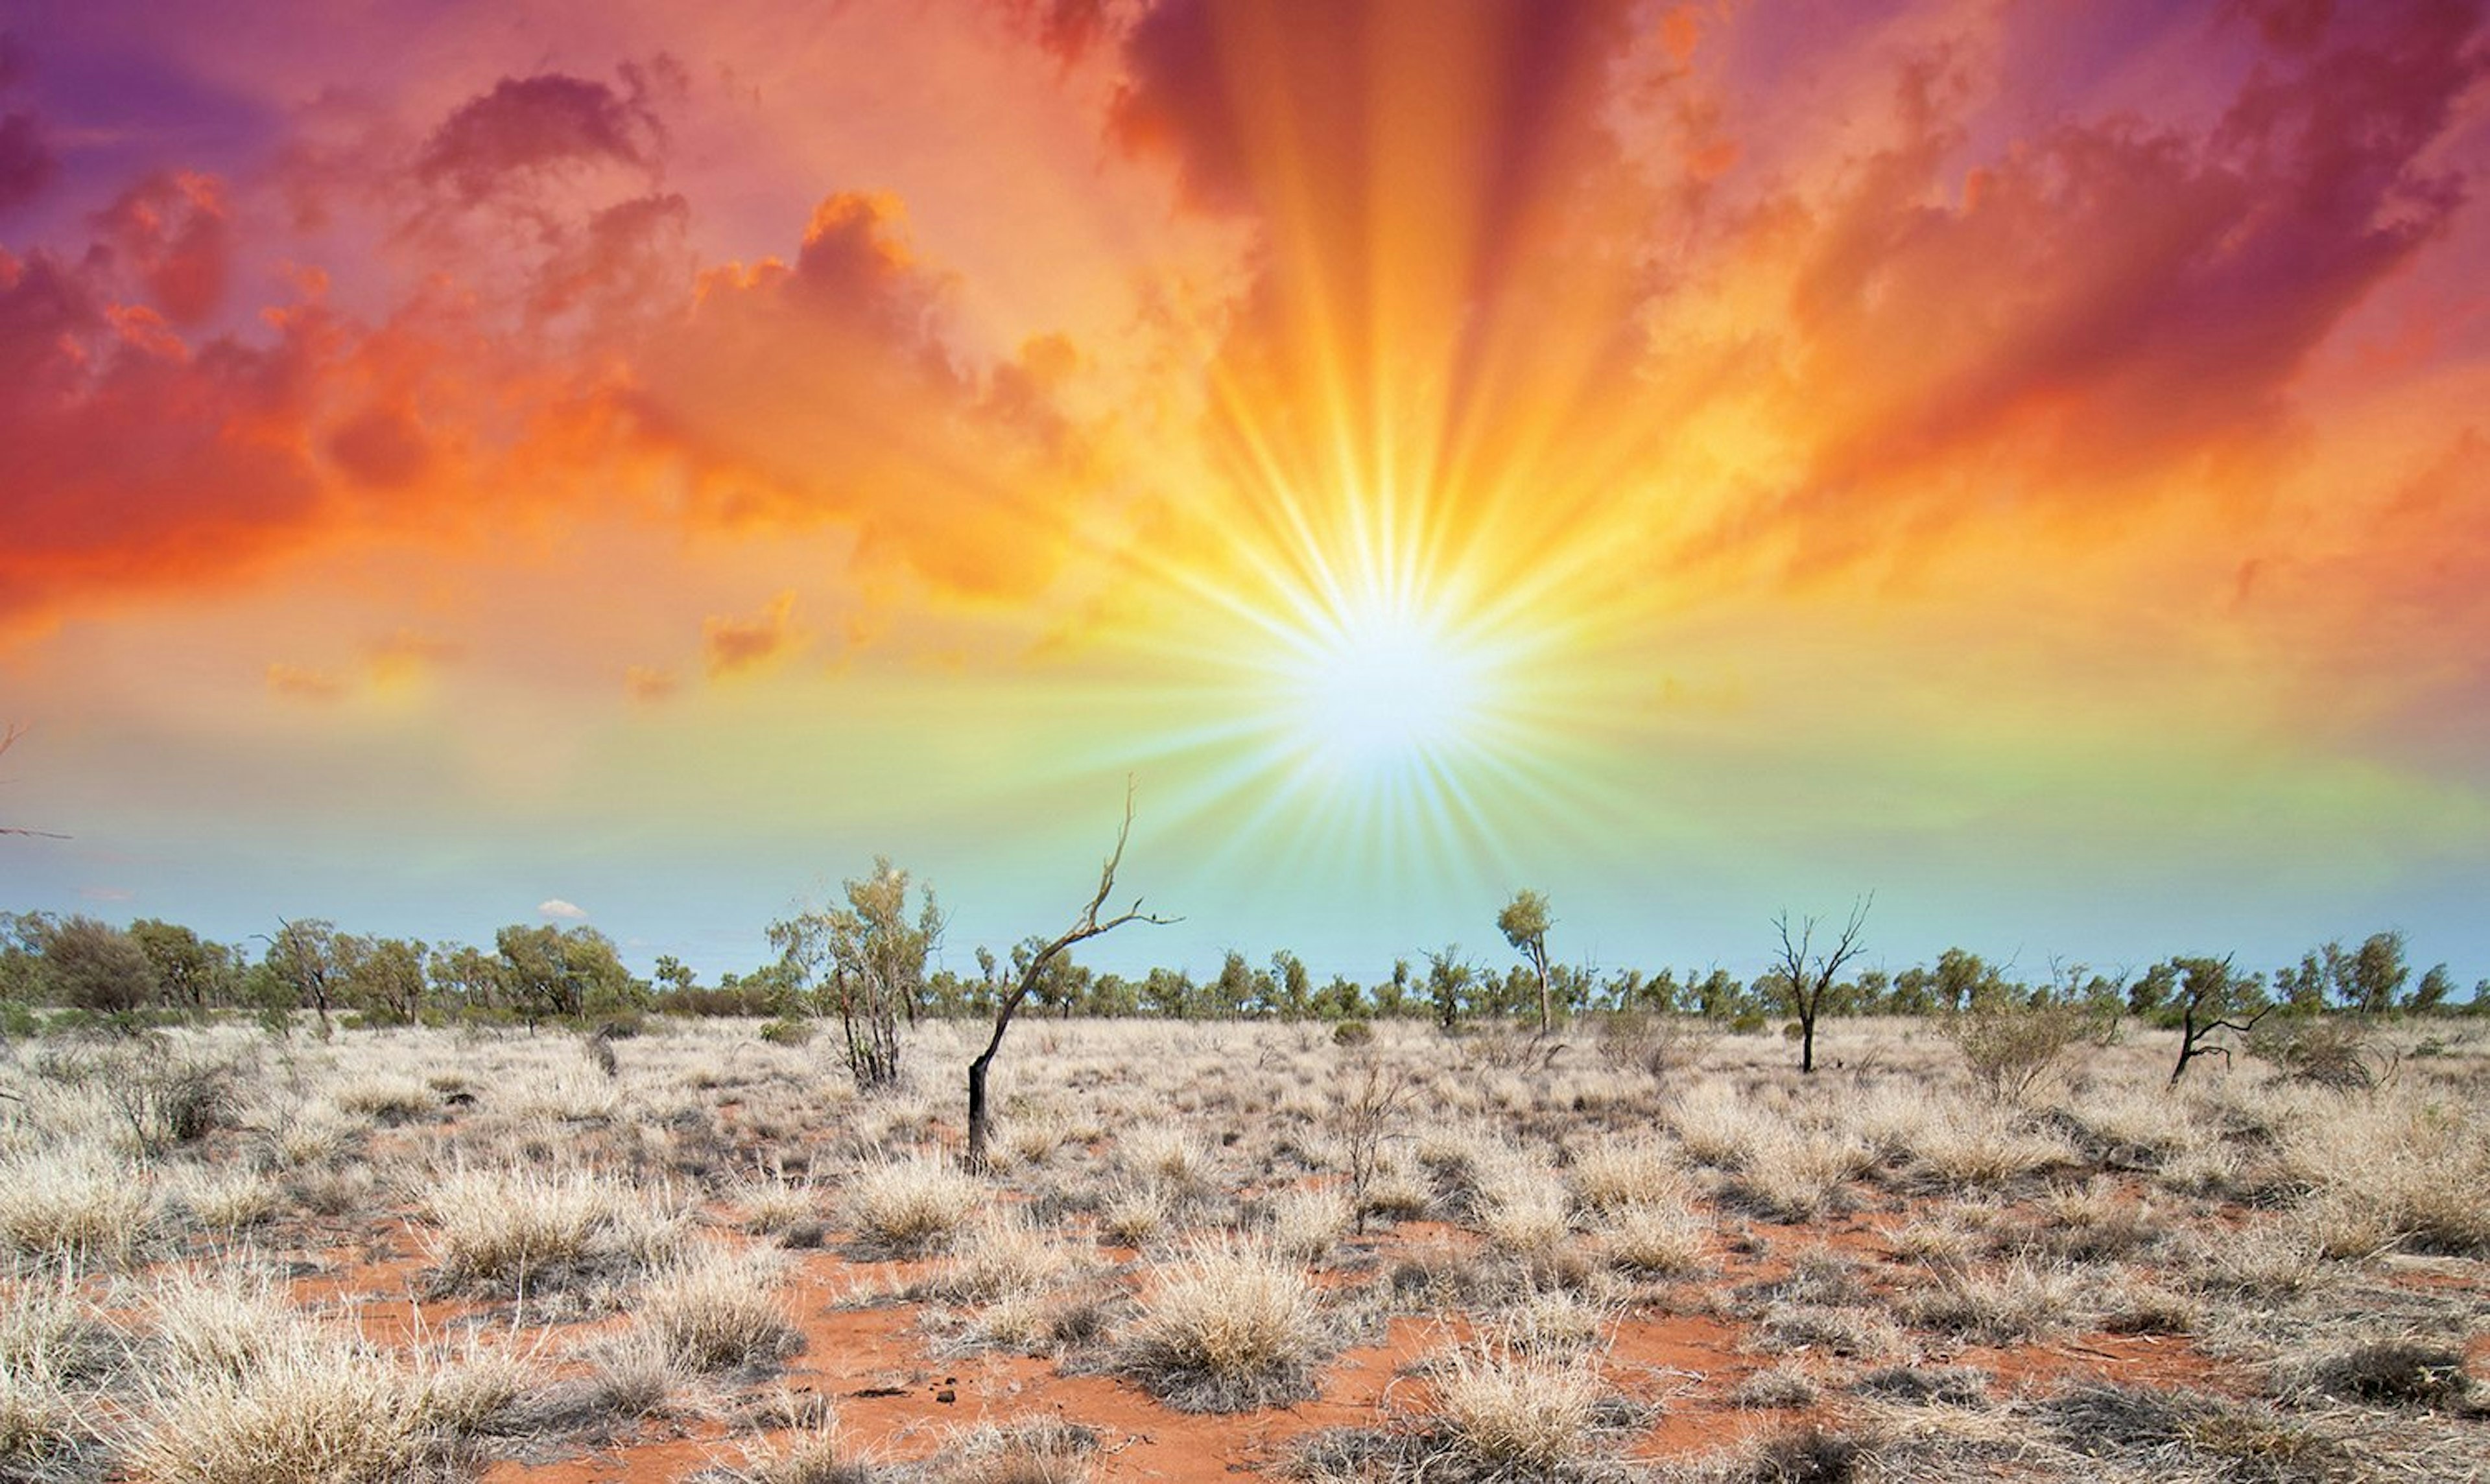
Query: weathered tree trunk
point(1083, 928)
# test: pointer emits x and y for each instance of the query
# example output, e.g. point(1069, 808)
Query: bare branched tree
point(8, 740)
point(1088, 924)
point(2209, 996)
point(1808, 977)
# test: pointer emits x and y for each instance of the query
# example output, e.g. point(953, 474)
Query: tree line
point(864, 961)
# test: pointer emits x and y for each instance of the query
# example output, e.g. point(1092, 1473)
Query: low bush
point(2011, 1051)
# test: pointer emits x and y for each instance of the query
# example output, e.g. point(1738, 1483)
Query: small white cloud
point(567, 911)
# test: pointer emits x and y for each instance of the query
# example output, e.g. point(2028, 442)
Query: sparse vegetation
point(496, 1250)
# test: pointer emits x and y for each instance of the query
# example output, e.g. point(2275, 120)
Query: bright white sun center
point(1377, 689)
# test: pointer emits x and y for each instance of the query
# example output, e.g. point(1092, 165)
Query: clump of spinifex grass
point(1661, 1239)
point(514, 1231)
point(906, 1208)
point(1229, 1328)
point(311, 1410)
point(75, 1207)
point(718, 1311)
point(1515, 1413)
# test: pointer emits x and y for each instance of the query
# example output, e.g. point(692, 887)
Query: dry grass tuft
point(75, 1208)
point(1306, 1224)
point(906, 1208)
point(718, 1312)
point(1230, 1329)
point(1661, 1239)
point(310, 1412)
point(1515, 1413)
point(502, 1227)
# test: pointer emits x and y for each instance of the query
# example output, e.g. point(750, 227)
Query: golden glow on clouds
point(1415, 437)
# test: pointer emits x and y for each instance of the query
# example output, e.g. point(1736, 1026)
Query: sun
point(1373, 689)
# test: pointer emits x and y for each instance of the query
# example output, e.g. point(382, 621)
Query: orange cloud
point(136, 459)
point(732, 644)
point(297, 682)
point(649, 685)
point(174, 231)
point(830, 389)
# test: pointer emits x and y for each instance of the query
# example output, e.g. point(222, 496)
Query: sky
point(635, 464)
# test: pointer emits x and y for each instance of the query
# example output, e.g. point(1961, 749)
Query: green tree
point(191, 974)
point(99, 967)
point(1448, 986)
point(1392, 995)
point(465, 976)
point(1232, 991)
point(1295, 997)
point(308, 959)
point(2301, 990)
point(1524, 923)
point(1167, 993)
point(2429, 996)
point(1964, 981)
point(547, 974)
point(870, 954)
point(2368, 978)
point(385, 979)
point(1719, 996)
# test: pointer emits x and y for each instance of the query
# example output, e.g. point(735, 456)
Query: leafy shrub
point(787, 1030)
point(2011, 1051)
point(2333, 1051)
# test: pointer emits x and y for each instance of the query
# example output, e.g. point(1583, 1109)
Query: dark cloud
point(27, 164)
point(528, 125)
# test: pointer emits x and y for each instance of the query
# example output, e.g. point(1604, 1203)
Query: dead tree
point(8, 740)
point(2208, 994)
point(1809, 979)
point(1084, 927)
